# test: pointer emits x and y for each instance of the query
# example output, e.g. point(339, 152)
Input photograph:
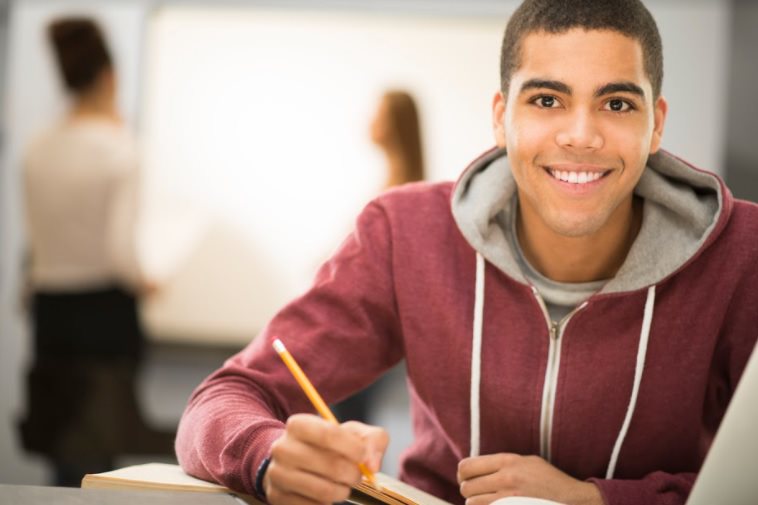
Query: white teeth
point(575, 177)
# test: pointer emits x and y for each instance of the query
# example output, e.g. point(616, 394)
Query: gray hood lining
point(681, 209)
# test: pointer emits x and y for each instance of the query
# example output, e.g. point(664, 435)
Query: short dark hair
point(628, 17)
point(80, 50)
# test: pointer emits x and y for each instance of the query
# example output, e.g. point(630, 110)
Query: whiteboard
point(257, 152)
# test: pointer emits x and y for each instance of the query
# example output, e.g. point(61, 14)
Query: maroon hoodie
point(628, 392)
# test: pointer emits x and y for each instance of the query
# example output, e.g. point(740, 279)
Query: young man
point(574, 315)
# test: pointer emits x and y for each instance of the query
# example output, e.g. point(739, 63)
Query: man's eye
point(546, 102)
point(618, 105)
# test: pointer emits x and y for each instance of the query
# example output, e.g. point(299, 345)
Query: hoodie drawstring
point(476, 354)
point(476, 365)
point(641, 353)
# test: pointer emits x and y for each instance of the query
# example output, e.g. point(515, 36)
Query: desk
point(42, 495)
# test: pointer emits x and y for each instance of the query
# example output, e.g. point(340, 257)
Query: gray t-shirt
point(560, 297)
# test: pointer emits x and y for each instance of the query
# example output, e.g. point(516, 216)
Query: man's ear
point(498, 118)
point(661, 108)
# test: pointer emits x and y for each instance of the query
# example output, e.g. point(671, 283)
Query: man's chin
point(576, 226)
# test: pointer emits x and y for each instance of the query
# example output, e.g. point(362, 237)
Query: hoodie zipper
point(551, 373)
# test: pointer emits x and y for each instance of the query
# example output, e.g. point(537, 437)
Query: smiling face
point(579, 121)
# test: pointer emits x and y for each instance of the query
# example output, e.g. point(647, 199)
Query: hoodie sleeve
point(343, 331)
point(657, 488)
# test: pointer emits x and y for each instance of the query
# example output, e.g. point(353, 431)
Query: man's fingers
point(367, 432)
point(497, 482)
point(475, 486)
point(376, 440)
point(286, 483)
point(316, 461)
point(296, 454)
point(479, 466)
point(484, 499)
point(321, 433)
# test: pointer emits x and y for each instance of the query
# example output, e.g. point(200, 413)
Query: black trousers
point(82, 409)
point(101, 324)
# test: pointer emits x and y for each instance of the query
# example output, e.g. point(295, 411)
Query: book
point(391, 492)
point(157, 477)
point(166, 477)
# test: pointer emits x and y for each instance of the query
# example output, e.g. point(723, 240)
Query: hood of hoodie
point(682, 209)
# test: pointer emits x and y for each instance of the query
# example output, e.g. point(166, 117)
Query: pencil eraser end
point(278, 346)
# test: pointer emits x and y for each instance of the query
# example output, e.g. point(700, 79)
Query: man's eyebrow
point(558, 86)
point(561, 87)
point(620, 87)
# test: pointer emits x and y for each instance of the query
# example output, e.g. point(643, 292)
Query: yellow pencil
point(313, 396)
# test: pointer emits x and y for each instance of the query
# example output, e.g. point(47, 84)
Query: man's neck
point(580, 259)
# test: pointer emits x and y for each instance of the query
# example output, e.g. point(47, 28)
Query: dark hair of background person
point(628, 17)
point(405, 134)
point(81, 52)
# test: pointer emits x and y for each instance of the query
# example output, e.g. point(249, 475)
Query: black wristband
point(259, 478)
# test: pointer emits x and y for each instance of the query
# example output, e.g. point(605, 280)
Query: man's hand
point(484, 479)
point(316, 462)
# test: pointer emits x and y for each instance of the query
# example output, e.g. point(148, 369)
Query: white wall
point(696, 71)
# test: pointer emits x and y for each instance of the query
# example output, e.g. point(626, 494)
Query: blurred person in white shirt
point(83, 271)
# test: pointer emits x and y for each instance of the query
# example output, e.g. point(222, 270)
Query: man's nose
point(580, 131)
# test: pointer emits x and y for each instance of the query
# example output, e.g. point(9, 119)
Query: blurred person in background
point(396, 131)
point(83, 273)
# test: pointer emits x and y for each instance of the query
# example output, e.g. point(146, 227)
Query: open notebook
point(392, 492)
point(161, 476)
point(156, 477)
